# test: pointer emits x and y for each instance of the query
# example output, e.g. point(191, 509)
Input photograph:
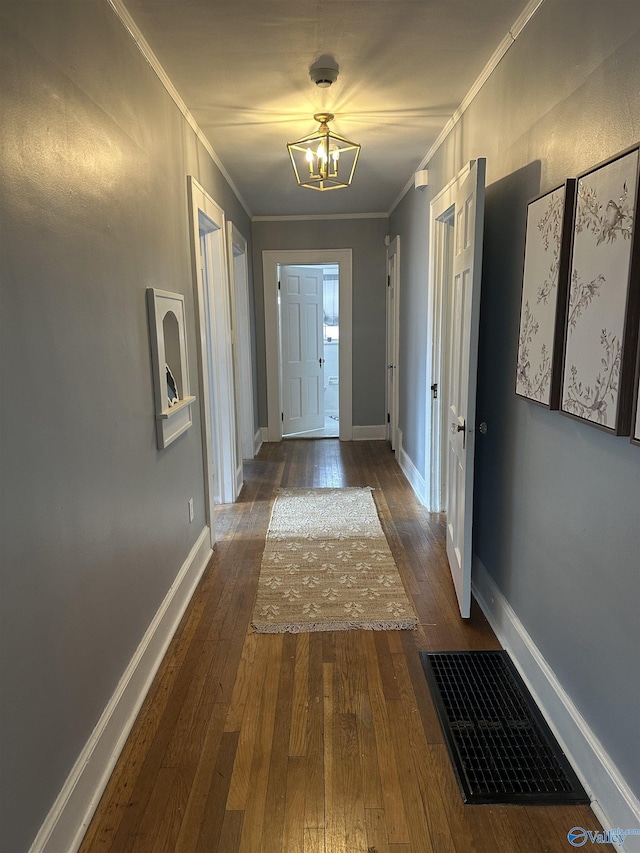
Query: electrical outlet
point(190, 510)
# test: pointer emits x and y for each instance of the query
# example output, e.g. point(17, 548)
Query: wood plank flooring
point(308, 743)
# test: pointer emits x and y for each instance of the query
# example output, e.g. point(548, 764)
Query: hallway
point(308, 743)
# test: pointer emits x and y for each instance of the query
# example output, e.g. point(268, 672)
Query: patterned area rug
point(327, 566)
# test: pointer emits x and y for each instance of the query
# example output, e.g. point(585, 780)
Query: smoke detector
point(324, 76)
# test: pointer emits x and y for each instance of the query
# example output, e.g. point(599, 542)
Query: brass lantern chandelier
point(324, 160)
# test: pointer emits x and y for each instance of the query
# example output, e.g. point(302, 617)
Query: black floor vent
point(500, 745)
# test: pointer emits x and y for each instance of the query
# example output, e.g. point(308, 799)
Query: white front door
point(463, 362)
point(301, 316)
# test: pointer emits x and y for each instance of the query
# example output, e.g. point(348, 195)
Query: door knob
point(457, 428)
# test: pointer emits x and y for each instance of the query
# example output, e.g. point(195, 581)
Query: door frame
point(393, 333)
point(442, 208)
point(239, 278)
point(212, 304)
point(271, 259)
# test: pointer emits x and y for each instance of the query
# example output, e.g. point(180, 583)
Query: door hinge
point(434, 390)
point(388, 281)
point(282, 416)
point(388, 418)
point(278, 285)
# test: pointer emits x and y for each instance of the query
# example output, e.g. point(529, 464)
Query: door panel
point(295, 398)
point(293, 339)
point(463, 359)
point(302, 349)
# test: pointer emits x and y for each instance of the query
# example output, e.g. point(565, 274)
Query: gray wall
point(366, 238)
point(556, 501)
point(94, 518)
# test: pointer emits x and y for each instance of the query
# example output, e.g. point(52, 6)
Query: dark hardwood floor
point(309, 743)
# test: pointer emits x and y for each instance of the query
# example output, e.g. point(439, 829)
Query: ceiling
point(242, 69)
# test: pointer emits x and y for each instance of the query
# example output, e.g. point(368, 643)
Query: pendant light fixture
point(324, 160)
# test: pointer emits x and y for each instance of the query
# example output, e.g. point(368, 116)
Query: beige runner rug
point(327, 566)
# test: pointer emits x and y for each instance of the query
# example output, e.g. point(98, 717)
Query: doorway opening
point(309, 307)
point(443, 229)
point(338, 263)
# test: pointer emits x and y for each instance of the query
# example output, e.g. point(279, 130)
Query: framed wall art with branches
point(601, 325)
point(544, 287)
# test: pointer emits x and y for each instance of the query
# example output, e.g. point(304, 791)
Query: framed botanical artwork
point(544, 288)
point(603, 297)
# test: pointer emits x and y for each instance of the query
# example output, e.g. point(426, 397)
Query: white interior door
point(393, 306)
point(221, 394)
point(301, 314)
point(463, 362)
point(242, 341)
point(239, 470)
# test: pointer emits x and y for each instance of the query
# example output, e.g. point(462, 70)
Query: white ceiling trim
point(154, 62)
point(520, 23)
point(309, 216)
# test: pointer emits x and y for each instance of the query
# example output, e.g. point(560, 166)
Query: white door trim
point(239, 276)
point(270, 261)
point(393, 334)
point(212, 305)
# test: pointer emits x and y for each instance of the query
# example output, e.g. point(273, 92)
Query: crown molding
point(508, 41)
point(145, 49)
point(310, 216)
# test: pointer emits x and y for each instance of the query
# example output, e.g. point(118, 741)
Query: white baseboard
point(415, 478)
point(264, 435)
point(257, 441)
point(376, 432)
point(613, 802)
point(67, 822)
